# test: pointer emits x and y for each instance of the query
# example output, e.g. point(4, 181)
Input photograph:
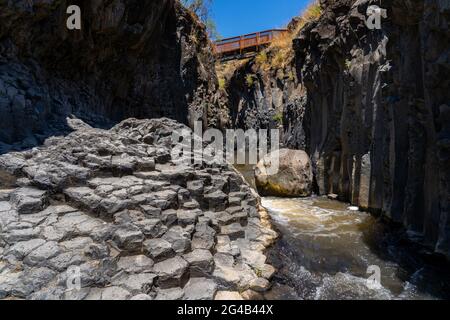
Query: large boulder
point(292, 179)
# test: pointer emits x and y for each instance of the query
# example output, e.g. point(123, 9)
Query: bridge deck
point(246, 43)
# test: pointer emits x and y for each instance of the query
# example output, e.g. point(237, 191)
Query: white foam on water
point(329, 231)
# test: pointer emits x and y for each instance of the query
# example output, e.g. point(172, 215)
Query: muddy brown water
point(325, 252)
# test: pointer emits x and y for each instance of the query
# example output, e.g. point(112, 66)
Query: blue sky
point(236, 17)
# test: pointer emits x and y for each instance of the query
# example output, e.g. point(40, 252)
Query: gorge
point(87, 177)
point(369, 107)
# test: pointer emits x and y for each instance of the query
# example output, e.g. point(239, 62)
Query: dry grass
point(276, 57)
point(226, 70)
point(261, 58)
point(281, 47)
point(312, 13)
point(282, 41)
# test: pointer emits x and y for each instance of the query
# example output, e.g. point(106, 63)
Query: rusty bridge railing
point(251, 42)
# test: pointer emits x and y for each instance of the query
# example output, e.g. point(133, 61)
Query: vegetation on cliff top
point(278, 55)
point(202, 9)
point(280, 51)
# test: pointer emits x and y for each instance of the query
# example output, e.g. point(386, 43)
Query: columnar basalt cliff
point(132, 58)
point(377, 113)
point(264, 92)
point(370, 107)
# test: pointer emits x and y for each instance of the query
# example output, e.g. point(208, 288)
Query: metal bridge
point(248, 44)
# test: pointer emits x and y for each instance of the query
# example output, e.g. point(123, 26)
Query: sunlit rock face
point(135, 223)
point(377, 111)
point(133, 58)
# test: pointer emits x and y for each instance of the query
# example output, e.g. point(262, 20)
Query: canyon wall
point(265, 92)
point(377, 113)
point(133, 58)
point(371, 108)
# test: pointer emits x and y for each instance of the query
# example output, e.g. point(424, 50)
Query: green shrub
point(278, 117)
point(261, 58)
point(291, 76)
point(222, 84)
point(348, 64)
point(250, 80)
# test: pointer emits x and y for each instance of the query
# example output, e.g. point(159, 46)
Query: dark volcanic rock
point(134, 58)
point(370, 107)
point(265, 93)
point(377, 110)
point(106, 221)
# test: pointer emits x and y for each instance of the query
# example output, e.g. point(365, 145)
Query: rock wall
point(140, 59)
point(378, 110)
point(262, 94)
point(371, 108)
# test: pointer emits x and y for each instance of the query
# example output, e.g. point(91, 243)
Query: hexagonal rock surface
point(28, 200)
point(111, 211)
point(201, 262)
point(228, 295)
point(200, 289)
point(171, 271)
point(234, 231)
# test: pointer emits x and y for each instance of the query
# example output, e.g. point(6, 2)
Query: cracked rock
point(233, 231)
point(158, 249)
point(129, 238)
point(28, 200)
point(201, 262)
point(131, 234)
point(200, 289)
point(42, 253)
point(171, 272)
point(135, 264)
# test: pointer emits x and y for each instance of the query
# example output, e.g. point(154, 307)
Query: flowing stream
point(325, 252)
